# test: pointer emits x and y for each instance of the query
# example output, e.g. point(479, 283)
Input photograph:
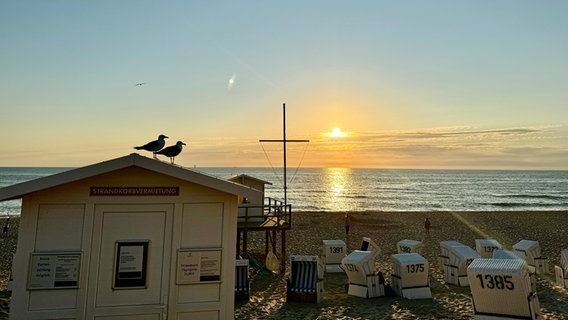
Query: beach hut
point(485, 247)
point(250, 208)
point(455, 271)
point(561, 272)
point(306, 279)
point(128, 238)
point(333, 252)
point(242, 281)
point(363, 280)
point(410, 276)
point(501, 289)
point(409, 246)
point(533, 256)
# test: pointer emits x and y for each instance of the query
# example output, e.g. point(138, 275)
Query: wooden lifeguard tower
point(273, 217)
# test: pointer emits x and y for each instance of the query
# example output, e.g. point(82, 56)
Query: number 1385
point(499, 282)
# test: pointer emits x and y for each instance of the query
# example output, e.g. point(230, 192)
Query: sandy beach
point(268, 291)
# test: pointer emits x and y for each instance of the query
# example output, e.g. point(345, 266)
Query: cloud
point(542, 147)
point(458, 147)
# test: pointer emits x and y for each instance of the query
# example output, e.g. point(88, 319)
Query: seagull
point(171, 151)
point(140, 84)
point(153, 146)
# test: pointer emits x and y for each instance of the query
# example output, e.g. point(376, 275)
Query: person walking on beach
point(347, 223)
point(427, 226)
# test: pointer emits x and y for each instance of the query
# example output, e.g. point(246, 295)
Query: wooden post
point(245, 240)
point(283, 253)
point(238, 243)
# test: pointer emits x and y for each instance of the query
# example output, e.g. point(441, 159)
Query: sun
point(336, 133)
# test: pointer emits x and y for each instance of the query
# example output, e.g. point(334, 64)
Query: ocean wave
point(521, 205)
point(533, 196)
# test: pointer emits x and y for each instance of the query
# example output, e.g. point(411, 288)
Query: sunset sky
point(409, 84)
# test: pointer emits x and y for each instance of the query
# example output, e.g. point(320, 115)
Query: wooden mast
point(284, 141)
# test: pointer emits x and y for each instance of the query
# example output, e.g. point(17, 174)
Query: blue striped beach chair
point(306, 279)
point(242, 282)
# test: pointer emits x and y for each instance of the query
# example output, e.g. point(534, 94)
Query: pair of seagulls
point(157, 147)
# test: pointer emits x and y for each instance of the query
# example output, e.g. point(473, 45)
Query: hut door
point(130, 256)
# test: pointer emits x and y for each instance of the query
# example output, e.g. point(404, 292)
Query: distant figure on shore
point(427, 226)
point(347, 223)
point(6, 227)
point(171, 151)
point(154, 146)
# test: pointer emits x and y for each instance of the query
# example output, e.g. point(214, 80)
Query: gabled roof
point(133, 160)
point(241, 177)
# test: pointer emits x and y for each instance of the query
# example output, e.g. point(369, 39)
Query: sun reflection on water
point(337, 182)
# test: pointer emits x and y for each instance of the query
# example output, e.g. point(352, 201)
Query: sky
point(408, 84)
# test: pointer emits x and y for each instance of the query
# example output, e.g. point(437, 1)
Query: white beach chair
point(367, 244)
point(409, 246)
point(333, 252)
point(363, 280)
point(508, 254)
point(501, 289)
point(445, 246)
point(485, 247)
point(410, 276)
point(455, 271)
point(242, 283)
point(533, 256)
point(512, 254)
point(561, 272)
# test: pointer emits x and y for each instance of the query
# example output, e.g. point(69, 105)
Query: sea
point(344, 189)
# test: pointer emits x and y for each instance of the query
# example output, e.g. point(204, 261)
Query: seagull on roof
point(154, 146)
point(171, 151)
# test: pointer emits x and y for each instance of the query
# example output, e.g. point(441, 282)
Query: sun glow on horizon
point(337, 133)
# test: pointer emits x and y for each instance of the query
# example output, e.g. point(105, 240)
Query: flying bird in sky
point(171, 151)
point(154, 146)
point(140, 84)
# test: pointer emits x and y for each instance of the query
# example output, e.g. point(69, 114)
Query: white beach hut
point(410, 276)
point(455, 271)
point(363, 280)
point(533, 255)
point(128, 238)
point(501, 289)
point(409, 246)
point(561, 272)
point(485, 247)
point(333, 252)
point(306, 279)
